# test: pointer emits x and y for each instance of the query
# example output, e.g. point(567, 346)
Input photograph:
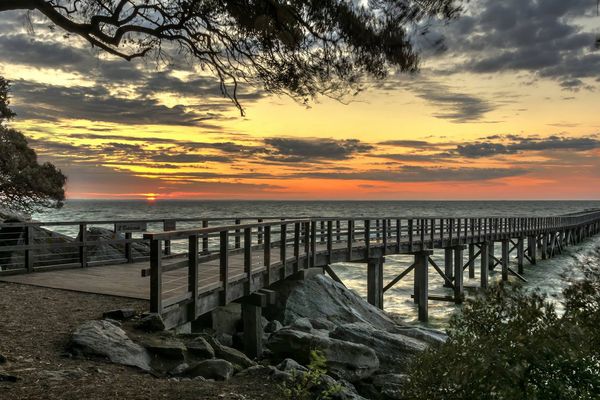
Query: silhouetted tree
point(296, 47)
point(25, 185)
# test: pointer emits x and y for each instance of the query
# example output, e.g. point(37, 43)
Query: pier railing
point(225, 263)
point(37, 246)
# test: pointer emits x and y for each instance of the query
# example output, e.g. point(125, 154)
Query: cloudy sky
point(511, 110)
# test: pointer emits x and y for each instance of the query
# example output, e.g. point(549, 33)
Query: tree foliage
point(512, 344)
point(25, 184)
point(297, 47)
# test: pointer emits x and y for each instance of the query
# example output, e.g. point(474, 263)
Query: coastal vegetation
point(511, 343)
point(25, 184)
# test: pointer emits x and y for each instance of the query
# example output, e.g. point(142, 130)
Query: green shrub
point(310, 385)
point(512, 344)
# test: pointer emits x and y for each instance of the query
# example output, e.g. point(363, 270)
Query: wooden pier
point(189, 272)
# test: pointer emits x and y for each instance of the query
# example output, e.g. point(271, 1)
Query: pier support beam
point(545, 245)
point(491, 254)
point(485, 265)
point(459, 291)
point(375, 281)
point(422, 283)
point(251, 319)
point(520, 254)
point(532, 249)
point(471, 261)
point(505, 259)
point(448, 265)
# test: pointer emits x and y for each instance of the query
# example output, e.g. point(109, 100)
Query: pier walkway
point(187, 272)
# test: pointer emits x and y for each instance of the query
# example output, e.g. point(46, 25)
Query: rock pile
point(366, 352)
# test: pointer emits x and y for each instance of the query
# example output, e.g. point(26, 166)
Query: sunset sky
point(511, 110)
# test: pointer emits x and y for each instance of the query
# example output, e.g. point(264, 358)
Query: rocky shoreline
point(366, 352)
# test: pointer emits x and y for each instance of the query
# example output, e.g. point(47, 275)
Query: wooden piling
point(505, 259)
point(520, 253)
point(458, 273)
point(375, 281)
point(485, 260)
point(422, 283)
point(448, 265)
point(471, 260)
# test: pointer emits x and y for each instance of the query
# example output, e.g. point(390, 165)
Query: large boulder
point(105, 339)
point(346, 360)
point(393, 350)
point(220, 370)
point(322, 298)
point(236, 357)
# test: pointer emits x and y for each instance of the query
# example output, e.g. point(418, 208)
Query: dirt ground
point(35, 324)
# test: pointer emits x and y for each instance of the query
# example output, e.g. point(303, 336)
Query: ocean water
point(548, 276)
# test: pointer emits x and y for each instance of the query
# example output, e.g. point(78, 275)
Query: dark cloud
point(310, 149)
point(518, 145)
point(53, 103)
point(544, 37)
point(455, 106)
point(423, 174)
point(408, 143)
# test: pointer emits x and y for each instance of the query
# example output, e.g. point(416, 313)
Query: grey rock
point(61, 375)
point(120, 314)
point(257, 370)
point(290, 365)
point(430, 336)
point(180, 369)
point(201, 348)
point(151, 322)
point(220, 370)
point(302, 325)
point(263, 322)
point(232, 355)
point(389, 379)
point(225, 339)
point(2, 359)
point(114, 322)
point(167, 348)
point(273, 326)
point(346, 360)
point(323, 298)
point(322, 324)
point(393, 350)
point(104, 339)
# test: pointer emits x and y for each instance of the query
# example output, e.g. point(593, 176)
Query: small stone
point(151, 323)
point(211, 369)
point(230, 354)
point(290, 365)
point(120, 314)
point(7, 377)
point(225, 339)
point(302, 325)
point(61, 375)
point(172, 349)
point(273, 326)
point(180, 369)
point(201, 348)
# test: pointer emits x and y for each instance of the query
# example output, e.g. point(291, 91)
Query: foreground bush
point(512, 344)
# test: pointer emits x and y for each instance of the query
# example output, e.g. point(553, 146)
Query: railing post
point(28, 251)
point(283, 250)
point(329, 240)
point(367, 225)
point(296, 246)
point(224, 266)
point(338, 230)
point(260, 232)
point(248, 259)
point(82, 245)
point(350, 238)
point(193, 276)
point(267, 253)
point(307, 236)
point(155, 276)
point(410, 235)
point(238, 239)
point(169, 225)
point(205, 237)
point(313, 243)
point(398, 236)
point(385, 235)
point(128, 248)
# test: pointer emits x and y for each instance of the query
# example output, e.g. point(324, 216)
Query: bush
point(512, 344)
point(311, 384)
